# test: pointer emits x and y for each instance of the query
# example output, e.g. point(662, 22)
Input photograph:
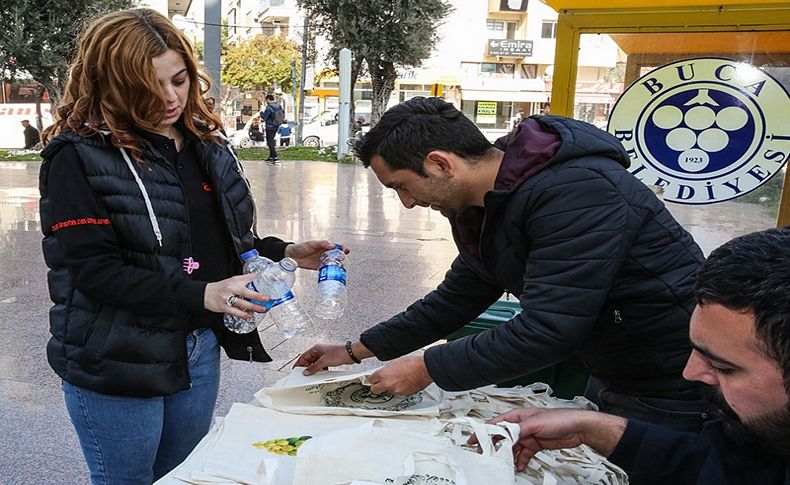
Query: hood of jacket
point(544, 141)
point(537, 143)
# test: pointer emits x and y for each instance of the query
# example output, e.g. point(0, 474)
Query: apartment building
point(494, 60)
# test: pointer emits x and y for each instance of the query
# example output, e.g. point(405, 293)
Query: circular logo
point(358, 395)
point(706, 129)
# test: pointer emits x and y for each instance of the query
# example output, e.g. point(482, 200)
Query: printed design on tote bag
point(358, 395)
point(282, 446)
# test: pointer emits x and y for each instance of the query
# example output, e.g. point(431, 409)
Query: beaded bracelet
point(351, 353)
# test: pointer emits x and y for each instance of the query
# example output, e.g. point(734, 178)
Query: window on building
point(232, 22)
point(549, 29)
point(409, 91)
point(529, 71)
point(511, 29)
point(495, 69)
point(470, 69)
point(364, 94)
point(502, 29)
point(249, 21)
point(495, 25)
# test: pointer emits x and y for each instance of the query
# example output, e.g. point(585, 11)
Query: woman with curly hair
point(145, 211)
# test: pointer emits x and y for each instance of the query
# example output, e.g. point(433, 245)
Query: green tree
point(261, 62)
point(384, 33)
point(39, 37)
point(223, 39)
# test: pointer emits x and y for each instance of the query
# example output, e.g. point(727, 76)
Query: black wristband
point(351, 353)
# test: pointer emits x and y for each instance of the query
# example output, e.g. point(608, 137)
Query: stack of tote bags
point(329, 429)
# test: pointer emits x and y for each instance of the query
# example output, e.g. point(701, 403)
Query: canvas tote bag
point(345, 393)
point(378, 453)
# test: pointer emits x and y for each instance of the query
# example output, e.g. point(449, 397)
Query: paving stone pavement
point(397, 256)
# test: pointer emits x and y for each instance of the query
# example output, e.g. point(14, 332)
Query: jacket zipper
point(618, 318)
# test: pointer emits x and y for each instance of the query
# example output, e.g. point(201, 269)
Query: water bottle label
point(273, 303)
point(332, 273)
point(251, 285)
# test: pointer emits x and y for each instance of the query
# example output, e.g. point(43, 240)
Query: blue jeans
point(270, 132)
point(129, 440)
point(683, 411)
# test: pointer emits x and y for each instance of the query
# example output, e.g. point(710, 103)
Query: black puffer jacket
point(600, 267)
point(138, 351)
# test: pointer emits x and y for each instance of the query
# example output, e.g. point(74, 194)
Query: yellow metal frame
point(571, 24)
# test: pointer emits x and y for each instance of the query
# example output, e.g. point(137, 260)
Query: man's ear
point(439, 161)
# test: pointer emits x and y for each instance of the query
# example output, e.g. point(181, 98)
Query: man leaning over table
point(740, 332)
point(550, 214)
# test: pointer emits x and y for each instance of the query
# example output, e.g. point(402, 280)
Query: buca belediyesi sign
point(706, 129)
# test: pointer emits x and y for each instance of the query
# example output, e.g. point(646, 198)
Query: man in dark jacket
point(549, 214)
point(740, 332)
point(32, 137)
point(272, 120)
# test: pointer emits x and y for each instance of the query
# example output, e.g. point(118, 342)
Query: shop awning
point(515, 96)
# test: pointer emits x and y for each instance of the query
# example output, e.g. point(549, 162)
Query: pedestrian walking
point(32, 136)
point(272, 116)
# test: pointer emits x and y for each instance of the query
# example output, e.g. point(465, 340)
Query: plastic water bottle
point(276, 281)
point(332, 292)
point(253, 262)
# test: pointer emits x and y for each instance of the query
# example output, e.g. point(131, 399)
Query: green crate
point(567, 378)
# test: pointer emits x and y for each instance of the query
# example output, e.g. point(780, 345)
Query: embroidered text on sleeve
point(79, 222)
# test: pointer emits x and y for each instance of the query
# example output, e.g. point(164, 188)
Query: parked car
point(321, 130)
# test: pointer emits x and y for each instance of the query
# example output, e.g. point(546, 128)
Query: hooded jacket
point(600, 268)
point(125, 334)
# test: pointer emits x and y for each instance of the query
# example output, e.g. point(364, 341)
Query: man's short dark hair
point(270, 97)
point(26, 121)
point(407, 132)
point(751, 274)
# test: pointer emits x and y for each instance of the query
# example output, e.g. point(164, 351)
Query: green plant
point(19, 155)
point(326, 154)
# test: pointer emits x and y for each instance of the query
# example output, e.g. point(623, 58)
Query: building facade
point(493, 60)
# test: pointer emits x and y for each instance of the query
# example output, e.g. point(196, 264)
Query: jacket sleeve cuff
point(189, 295)
point(271, 247)
point(628, 449)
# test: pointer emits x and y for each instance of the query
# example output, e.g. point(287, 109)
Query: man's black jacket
point(600, 267)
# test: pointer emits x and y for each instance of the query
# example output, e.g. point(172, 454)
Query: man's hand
point(401, 377)
point(323, 356)
point(308, 253)
point(554, 429)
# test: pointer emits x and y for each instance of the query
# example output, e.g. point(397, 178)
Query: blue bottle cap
point(249, 254)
